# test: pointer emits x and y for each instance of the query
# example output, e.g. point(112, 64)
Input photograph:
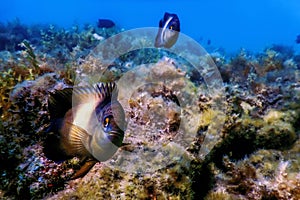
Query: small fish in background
point(86, 122)
point(208, 42)
point(298, 39)
point(105, 23)
point(169, 28)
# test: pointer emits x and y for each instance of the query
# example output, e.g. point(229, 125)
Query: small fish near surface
point(298, 39)
point(105, 23)
point(169, 28)
point(86, 122)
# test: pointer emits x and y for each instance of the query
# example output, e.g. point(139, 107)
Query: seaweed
point(30, 54)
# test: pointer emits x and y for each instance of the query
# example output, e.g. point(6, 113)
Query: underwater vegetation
point(256, 156)
point(12, 34)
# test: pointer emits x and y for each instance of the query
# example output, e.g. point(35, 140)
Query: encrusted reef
point(170, 149)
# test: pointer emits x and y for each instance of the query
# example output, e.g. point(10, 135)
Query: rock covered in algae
point(264, 175)
point(262, 117)
point(268, 119)
point(22, 135)
point(154, 162)
point(265, 127)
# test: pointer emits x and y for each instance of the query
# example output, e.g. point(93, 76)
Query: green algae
point(30, 54)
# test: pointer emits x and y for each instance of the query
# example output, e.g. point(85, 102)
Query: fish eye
point(171, 27)
point(106, 122)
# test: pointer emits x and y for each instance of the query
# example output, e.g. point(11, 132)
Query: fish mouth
point(116, 137)
point(113, 133)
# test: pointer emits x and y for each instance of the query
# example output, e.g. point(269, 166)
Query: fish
point(298, 39)
point(169, 28)
point(208, 42)
point(105, 23)
point(85, 122)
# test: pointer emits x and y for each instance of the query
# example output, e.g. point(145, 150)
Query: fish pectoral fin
point(85, 168)
point(77, 140)
point(127, 147)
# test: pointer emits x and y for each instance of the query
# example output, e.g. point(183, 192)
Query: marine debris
point(256, 157)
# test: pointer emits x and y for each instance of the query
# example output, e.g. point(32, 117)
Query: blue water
point(230, 24)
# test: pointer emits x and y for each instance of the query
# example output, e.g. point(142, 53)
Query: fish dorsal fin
point(106, 91)
point(101, 91)
point(60, 102)
point(83, 94)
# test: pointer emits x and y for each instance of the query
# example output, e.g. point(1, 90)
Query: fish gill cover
point(198, 125)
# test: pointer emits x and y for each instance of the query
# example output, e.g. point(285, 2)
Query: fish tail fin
point(52, 148)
